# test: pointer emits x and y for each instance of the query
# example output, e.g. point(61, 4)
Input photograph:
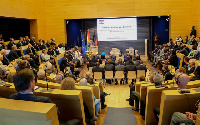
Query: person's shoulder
point(13, 96)
point(42, 99)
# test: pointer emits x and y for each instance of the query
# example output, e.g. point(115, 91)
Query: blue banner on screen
point(119, 29)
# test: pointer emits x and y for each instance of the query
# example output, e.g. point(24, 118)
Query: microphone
point(46, 89)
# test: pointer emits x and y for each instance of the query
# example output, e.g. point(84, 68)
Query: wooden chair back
point(131, 75)
point(19, 112)
point(108, 74)
point(119, 75)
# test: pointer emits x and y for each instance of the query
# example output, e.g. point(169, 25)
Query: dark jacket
point(19, 44)
point(109, 67)
point(13, 55)
point(32, 42)
point(173, 60)
point(64, 63)
point(30, 97)
point(130, 68)
point(10, 45)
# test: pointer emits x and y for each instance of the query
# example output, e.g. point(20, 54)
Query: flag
point(88, 39)
point(83, 44)
point(95, 43)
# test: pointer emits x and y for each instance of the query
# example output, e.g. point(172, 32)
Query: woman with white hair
point(83, 82)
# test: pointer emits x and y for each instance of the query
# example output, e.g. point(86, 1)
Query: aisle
point(117, 99)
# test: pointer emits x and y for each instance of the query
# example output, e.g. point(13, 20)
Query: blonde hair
point(67, 84)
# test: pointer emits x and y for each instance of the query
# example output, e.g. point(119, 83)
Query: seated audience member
point(24, 82)
point(83, 82)
point(173, 60)
point(69, 84)
point(185, 61)
point(32, 41)
point(1, 43)
point(109, 67)
point(183, 50)
point(98, 69)
point(44, 56)
point(27, 41)
point(51, 52)
point(44, 45)
point(65, 62)
point(141, 66)
point(3, 73)
point(56, 50)
point(41, 75)
point(11, 43)
point(127, 60)
point(134, 95)
point(59, 78)
point(120, 57)
point(13, 53)
point(5, 60)
point(194, 53)
point(31, 62)
point(20, 43)
point(130, 67)
point(31, 49)
point(197, 74)
point(49, 68)
point(182, 80)
point(102, 94)
point(54, 72)
point(191, 65)
point(48, 44)
point(22, 65)
point(90, 64)
point(89, 78)
point(38, 46)
point(158, 79)
point(120, 67)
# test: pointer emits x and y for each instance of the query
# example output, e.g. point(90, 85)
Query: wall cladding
point(143, 29)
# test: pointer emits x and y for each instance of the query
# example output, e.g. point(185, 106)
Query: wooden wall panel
point(50, 14)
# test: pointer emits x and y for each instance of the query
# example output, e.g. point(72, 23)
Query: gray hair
point(83, 82)
point(158, 79)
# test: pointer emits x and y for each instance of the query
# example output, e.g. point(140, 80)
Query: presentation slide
point(119, 29)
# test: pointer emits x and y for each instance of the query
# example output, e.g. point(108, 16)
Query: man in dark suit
point(20, 43)
point(5, 60)
point(127, 60)
point(32, 41)
point(191, 64)
point(119, 67)
point(141, 66)
point(24, 82)
point(31, 49)
point(13, 53)
point(109, 67)
point(31, 62)
point(44, 46)
point(197, 74)
point(130, 67)
point(98, 69)
point(48, 43)
point(90, 64)
point(64, 62)
point(11, 43)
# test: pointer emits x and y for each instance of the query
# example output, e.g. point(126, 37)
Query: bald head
point(183, 80)
point(41, 74)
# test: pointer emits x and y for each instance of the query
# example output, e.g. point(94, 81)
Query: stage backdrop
point(143, 32)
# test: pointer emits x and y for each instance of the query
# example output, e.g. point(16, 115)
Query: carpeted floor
point(120, 116)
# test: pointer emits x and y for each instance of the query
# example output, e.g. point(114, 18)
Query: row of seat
point(70, 102)
point(154, 99)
